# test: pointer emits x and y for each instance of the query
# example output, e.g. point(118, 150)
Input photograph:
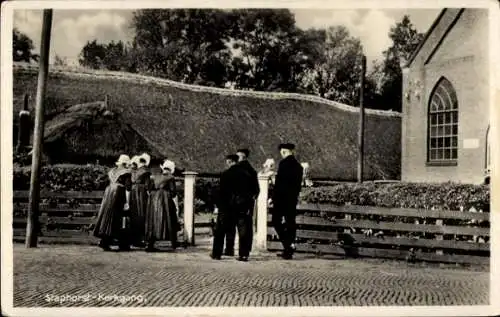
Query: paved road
point(190, 278)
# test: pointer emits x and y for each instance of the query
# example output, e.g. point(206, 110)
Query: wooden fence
point(396, 233)
point(408, 234)
point(68, 217)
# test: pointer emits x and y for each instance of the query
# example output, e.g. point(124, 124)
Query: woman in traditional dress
point(161, 215)
point(109, 222)
point(141, 183)
point(123, 162)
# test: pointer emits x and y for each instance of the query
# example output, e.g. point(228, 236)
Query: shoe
point(228, 253)
point(215, 257)
point(174, 246)
point(151, 249)
point(104, 247)
point(140, 244)
point(285, 255)
point(124, 248)
point(243, 258)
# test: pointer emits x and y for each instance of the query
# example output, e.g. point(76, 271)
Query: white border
point(6, 163)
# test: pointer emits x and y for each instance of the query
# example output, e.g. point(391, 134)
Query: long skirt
point(138, 206)
point(109, 219)
point(161, 217)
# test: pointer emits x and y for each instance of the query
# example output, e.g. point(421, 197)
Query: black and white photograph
point(293, 158)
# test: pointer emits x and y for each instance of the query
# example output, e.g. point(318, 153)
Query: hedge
point(448, 196)
point(85, 178)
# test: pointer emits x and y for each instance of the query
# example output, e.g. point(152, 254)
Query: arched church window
point(443, 124)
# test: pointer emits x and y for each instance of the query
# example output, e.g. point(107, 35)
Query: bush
point(64, 178)
point(447, 196)
point(22, 158)
point(206, 191)
point(85, 178)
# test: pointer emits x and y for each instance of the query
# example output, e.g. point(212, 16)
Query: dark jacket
point(288, 182)
point(252, 184)
point(232, 188)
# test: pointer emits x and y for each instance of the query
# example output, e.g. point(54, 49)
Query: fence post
point(347, 217)
point(439, 222)
point(261, 234)
point(189, 182)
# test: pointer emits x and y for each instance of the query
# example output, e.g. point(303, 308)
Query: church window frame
point(442, 124)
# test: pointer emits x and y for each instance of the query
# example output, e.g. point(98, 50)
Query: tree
point(373, 85)
point(93, 55)
point(405, 39)
point(22, 47)
point(271, 50)
point(187, 45)
point(60, 61)
point(335, 73)
point(115, 57)
point(246, 49)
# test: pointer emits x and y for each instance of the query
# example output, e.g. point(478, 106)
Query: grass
point(197, 127)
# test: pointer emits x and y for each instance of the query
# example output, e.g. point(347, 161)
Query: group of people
point(238, 190)
point(239, 187)
point(139, 208)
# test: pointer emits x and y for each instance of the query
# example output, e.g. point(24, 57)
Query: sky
point(71, 29)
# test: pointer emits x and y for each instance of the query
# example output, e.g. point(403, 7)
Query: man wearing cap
point(285, 196)
point(250, 190)
point(231, 202)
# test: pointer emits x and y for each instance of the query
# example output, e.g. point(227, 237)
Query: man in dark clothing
point(253, 185)
point(244, 221)
point(232, 202)
point(285, 198)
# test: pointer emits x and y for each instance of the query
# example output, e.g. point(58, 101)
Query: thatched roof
point(196, 126)
point(90, 131)
point(74, 116)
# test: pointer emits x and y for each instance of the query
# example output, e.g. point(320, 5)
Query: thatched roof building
point(196, 126)
point(89, 133)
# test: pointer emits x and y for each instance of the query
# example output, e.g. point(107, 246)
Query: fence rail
point(64, 222)
point(390, 233)
point(366, 231)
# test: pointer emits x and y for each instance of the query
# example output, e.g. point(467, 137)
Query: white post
point(439, 222)
point(261, 234)
point(189, 182)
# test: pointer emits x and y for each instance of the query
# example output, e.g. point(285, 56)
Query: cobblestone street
point(190, 278)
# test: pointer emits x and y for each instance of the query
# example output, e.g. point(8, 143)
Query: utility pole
point(33, 227)
point(23, 131)
point(361, 132)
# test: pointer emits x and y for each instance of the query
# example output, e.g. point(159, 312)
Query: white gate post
point(261, 234)
point(189, 182)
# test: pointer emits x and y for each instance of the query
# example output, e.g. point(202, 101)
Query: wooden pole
point(33, 227)
point(23, 131)
point(361, 132)
point(26, 102)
